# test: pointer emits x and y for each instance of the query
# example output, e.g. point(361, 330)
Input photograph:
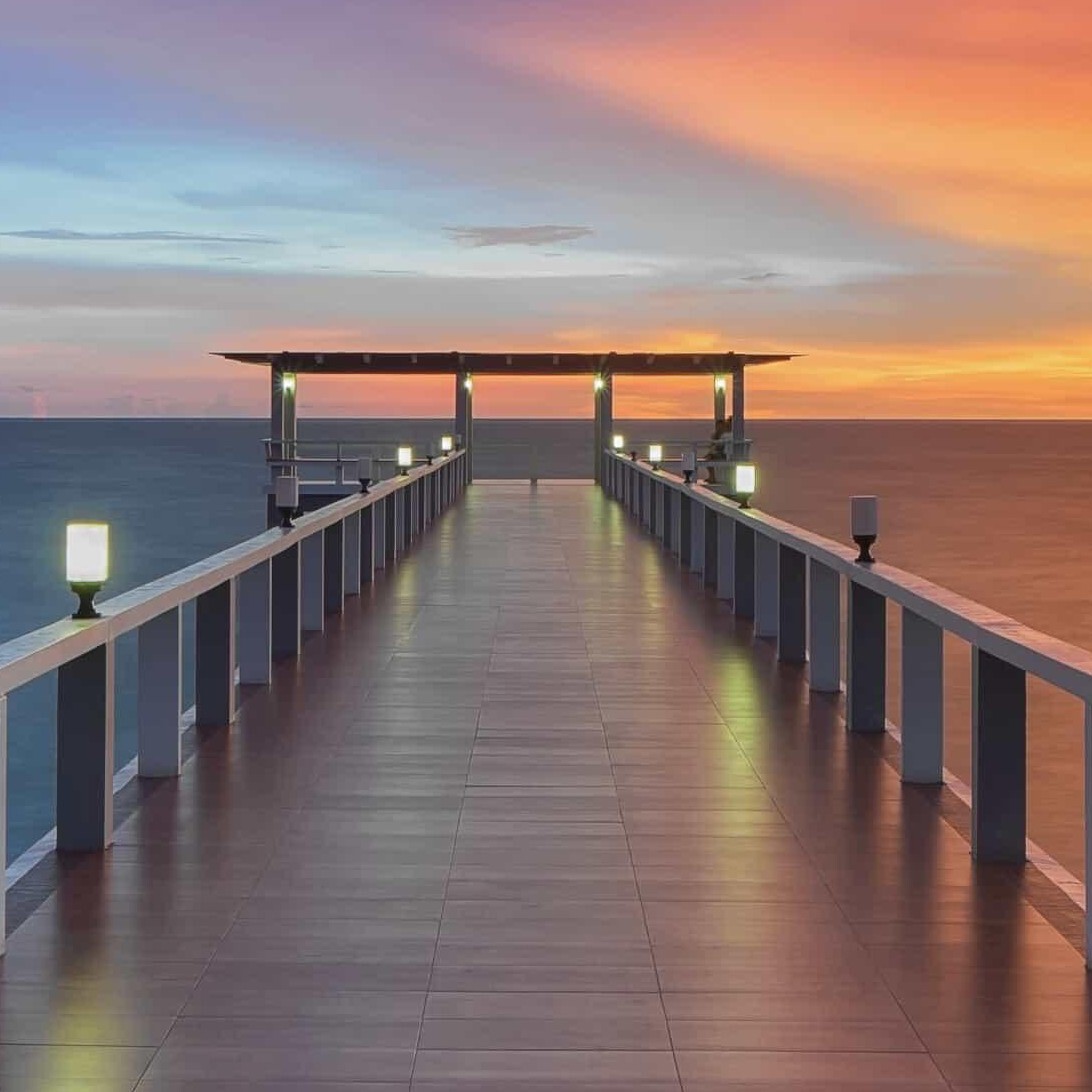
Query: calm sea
point(997, 511)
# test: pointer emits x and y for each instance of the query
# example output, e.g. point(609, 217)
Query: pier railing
point(791, 583)
point(253, 604)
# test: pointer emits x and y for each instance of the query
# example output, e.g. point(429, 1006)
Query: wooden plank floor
point(538, 814)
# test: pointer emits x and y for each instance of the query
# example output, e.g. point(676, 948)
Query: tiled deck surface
point(539, 815)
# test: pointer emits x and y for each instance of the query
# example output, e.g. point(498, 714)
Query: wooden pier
point(538, 812)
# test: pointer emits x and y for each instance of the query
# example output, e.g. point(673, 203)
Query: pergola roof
point(440, 363)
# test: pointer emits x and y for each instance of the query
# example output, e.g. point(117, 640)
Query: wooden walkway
point(538, 815)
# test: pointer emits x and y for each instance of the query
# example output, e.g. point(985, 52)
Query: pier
point(569, 786)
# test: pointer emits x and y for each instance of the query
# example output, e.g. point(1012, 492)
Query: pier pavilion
point(561, 788)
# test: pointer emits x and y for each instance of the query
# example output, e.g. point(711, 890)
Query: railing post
point(159, 695)
point(685, 538)
point(392, 536)
point(710, 544)
point(85, 750)
point(286, 620)
point(824, 628)
point(743, 570)
point(3, 811)
point(351, 547)
point(698, 515)
point(662, 512)
point(255, 607)
point(312, 592)
point(379, 529)
point(367, 544)
point(214, 659)
point(405, 502)
point(792, 605)
point(1087, 822)
point(922, 717)
point(998, 759)
point(866, 660)
point(333, 568)
point(765, 586)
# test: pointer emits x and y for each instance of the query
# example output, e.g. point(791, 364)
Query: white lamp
point(598, 383)
point(468, 383)
point(87, 563)
point(864, 515)
point(405, 459)
point(447, 444)
point(286, 496)
point(744, 482)
point(720, 384)
point(618, 442)
point(655, 455)
point(288, 384)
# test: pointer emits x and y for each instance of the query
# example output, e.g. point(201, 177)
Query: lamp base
point(364, 483)
point(286, 518)
point(688, 477)
point(86, 610)
point(864, 542)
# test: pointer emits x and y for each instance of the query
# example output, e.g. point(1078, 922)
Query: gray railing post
point(866, 660)
point(743, 570)
point(998, 759)
point(824, 628)
point(379, 529)
point(3, 810)
point(255, 607)
point(765, 586)
point(697, 537)
point(922, 717)
point(685, 523)
point(287, 616)
point(663, 510)
point(333, 568)
point(792, 605)
point(159, 695)
point(725, 565)
point(367, 545)
point(351, 546)
point(393, 535)
point(312, 590)
point(85, 750)
point(1087, 821)
point(214, 657)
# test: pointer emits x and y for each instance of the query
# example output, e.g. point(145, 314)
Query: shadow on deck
point(539, 814)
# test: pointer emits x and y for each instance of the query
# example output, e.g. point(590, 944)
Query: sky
point(900, 192)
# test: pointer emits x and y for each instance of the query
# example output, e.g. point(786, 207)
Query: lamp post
point(618, 442)
point(405, 460)
point(286, 496)
point(364, 472)
point(864, 517)
point(744, 482)
point(87, 564)
point(655, 455)
point(447, 445)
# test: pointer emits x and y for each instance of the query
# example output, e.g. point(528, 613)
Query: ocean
point(995, 510)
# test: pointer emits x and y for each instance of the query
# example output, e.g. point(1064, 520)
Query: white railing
point(790, 582)
point(254, 602)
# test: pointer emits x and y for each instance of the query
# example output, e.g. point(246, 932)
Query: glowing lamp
point(286, 497)
point(864, 514)
point(655, 455)
point(87, 563)
point(405, 459)
point(288, 384)
point(468, 383)
point(720, 384)
point(599, 383)
point(447, 444)
point(744, 482)
point(618, 442)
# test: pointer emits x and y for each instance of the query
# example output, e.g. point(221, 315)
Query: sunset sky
point(902, 192)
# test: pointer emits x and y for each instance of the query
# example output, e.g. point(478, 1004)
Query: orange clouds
point(971, 119)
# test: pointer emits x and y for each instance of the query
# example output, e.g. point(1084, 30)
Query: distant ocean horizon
point(996, 510)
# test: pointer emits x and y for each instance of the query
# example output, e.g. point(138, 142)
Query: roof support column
point(603, 387)
point(464, 418)
point(739, 424)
